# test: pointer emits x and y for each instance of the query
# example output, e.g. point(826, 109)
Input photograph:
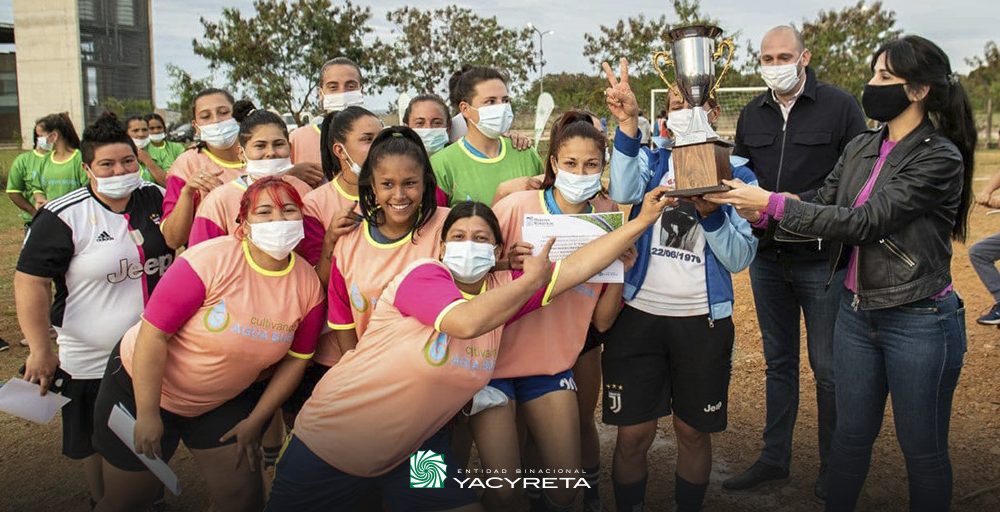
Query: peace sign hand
point(621, 100)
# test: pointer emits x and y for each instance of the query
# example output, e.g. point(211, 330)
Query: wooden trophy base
point(699, 168)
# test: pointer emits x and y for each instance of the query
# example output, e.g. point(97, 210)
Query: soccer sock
point(688, 496)
point(593, 478)
point(271, 455)
point(630, 497)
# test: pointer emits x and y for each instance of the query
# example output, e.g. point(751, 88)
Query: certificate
point(571, 232)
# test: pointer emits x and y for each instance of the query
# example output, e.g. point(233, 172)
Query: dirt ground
point(34, 475)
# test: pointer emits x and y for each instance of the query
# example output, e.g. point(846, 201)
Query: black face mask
point(884, 103)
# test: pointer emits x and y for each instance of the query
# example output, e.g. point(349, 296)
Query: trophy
point(700, 162)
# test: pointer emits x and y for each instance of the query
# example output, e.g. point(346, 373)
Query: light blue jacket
point(730, 245)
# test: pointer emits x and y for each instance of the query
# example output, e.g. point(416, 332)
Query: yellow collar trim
point(263, 271)
point(40, 155)
point(503, 152)
point(470, 296)
point(223, 163)
point(378, 245)
point(341, 191)
point(52, 156)
point(318, 130)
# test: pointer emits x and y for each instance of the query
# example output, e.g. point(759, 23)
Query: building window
point(90, 86)
point(86, 8)
point(126, 13)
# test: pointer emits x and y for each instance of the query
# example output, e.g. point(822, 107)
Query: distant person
point(163, 151)
point(645, 130)
point(340, 86)
point(23, 172)
point(62, 172)
point(138, 130)
point(984, 255)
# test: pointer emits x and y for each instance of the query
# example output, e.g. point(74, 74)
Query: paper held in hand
point(122, 424)
point(23, 399)
point(571, 232)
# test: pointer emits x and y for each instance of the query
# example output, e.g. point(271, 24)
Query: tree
point(126, 107)
point(431, 44)
point(184, 89)
point(276, 54)
point(984, 80)
point(843, 42)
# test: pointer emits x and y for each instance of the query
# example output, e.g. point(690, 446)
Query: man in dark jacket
point(793, 135)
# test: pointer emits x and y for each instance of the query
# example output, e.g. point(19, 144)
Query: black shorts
point(78, 417)
point(198, 433)
point(314, 372)
point(594, 340)
point(653, 365)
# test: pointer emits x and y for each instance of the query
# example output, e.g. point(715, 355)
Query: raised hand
point(620, 98)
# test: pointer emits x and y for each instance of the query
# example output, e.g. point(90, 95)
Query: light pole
point(541, 55)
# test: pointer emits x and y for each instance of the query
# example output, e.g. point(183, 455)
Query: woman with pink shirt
point(431, 344)
point(227, 310)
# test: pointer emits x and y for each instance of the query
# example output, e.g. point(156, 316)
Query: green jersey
point(165, 155)
point(23, 172)
point(464, 176)
point(57, 179)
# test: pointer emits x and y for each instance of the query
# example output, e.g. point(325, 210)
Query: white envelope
point(22, 399)
point(123, 425)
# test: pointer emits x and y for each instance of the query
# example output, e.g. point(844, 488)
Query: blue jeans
point(913, 352)
point(781, 289)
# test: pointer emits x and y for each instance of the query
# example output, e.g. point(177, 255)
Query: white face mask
point(679, 121)
point(118, 187)
point(469, 261)
point(355, 167)
point(277, 238)
point(258, 169)
point(141, 143)
point(494, 120)
point(434, 138)
point(577, 188)
point(158, 137)
point(44, 144)
point(337, 101)
point(783, 78)
point(221, 135)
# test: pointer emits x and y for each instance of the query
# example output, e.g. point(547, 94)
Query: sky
point(961, 29)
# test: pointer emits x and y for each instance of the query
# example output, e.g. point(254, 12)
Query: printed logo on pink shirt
point(217, 319)
point(436, 349)
point(358, 300)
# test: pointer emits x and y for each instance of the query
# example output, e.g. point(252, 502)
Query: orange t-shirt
point(190, 162)
point(305, 144)
point(362, 268)
point(230, 320)
point(545, 342)
point(406, 379)
point(216, 215)
point(319, 207)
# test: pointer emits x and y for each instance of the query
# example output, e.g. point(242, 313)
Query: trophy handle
point(667, 61)
point(723, 45)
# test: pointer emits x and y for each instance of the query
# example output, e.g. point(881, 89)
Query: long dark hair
point(922, 63)
point(62, 124)
point(472, 209)
point(334, 130)
point(574, 123)
point(396, 140)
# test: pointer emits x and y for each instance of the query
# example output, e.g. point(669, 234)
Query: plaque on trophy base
point(700, 168)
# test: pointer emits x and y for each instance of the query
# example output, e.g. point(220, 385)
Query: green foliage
point(184, 89)
point(126, 107)
point(276, 54)
point(427, 51)
point(843, 42)
point(984, 80)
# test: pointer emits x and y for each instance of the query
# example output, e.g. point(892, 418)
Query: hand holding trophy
point(701, 157)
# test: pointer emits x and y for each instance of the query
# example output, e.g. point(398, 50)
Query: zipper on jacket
point(893, 248)
point(857, 277)
point(781, 157)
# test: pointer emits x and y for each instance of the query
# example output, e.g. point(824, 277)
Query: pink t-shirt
point(545, 342)
point(362, 268)
point(230, 320)
point(406, 379)
point(851, 279)
point(305, 144)
point(190, 162)
point(319, 208)
point(216, 215)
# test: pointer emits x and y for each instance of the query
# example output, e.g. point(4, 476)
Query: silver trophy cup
point(693, 54)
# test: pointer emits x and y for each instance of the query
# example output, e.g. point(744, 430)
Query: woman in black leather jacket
point(894, 202)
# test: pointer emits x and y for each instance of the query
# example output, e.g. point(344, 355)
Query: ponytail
point(922, 63)
point(334, 130)
point(62, 124)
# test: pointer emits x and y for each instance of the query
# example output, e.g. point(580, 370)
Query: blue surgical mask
point(221, 135)
point(469, 261)
point(577, 188)
point(494, 120)
point(434, 138)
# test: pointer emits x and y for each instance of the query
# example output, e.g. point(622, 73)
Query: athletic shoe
point(759, 473)
point(4, 345)
point(991, 318)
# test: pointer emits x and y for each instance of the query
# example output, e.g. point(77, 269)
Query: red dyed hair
point(274, 186)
